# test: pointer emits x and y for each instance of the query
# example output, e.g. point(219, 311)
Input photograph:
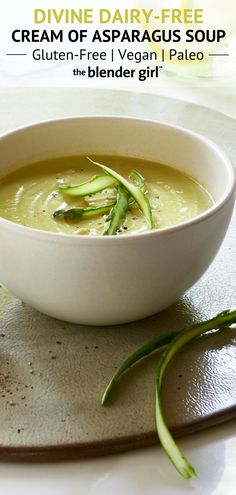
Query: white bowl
point(111, 280)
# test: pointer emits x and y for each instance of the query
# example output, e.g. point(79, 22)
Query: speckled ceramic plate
point(52, 374)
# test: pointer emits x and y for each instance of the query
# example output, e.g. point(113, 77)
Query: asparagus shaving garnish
point(75, 213)
point(172, 450)
point(176, 341)
point(145, 350)
point(137, 193)
point(139, 179)
point(94, 185)
point(119, 211)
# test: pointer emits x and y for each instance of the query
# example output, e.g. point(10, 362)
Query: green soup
point(30, 195)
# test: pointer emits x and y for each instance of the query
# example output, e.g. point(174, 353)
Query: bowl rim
point(164, 231)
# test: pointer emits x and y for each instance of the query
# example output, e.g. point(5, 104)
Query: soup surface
point(30, 195)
